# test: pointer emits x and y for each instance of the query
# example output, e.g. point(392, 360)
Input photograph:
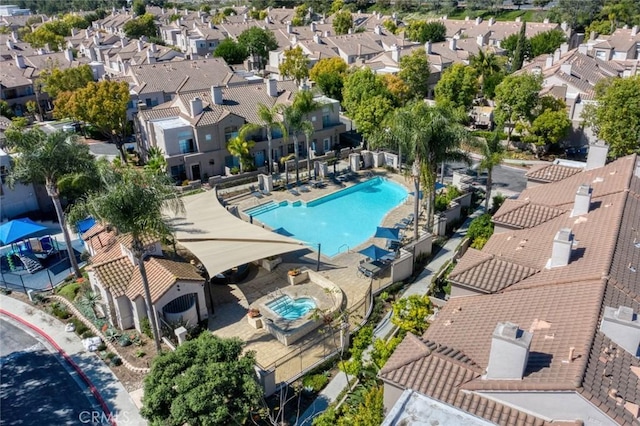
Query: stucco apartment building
point(542, 325)
point(194, 128)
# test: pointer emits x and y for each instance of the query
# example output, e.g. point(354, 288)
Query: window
point(207, 137)
point(4, 172)
point(178, 173)
point(327, 144)
point(230, 132)
point(186, 146)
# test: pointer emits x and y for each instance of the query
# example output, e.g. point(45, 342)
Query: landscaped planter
point(270, 265)
point(295, 279)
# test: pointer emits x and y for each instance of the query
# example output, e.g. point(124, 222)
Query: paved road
point(36, 387)
point(506, 179)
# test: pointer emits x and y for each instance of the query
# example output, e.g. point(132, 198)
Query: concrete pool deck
point(231, 302)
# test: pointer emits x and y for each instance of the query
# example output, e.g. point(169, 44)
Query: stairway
point(30, 264)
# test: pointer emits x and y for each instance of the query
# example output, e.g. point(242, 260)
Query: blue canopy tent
point(388, 233)
point(85, 224)
point(19, 229)
point(374, 252)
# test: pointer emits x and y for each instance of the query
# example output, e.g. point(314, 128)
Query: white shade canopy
point(221, 240)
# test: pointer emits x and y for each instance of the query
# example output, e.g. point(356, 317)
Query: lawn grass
point(69, 291)
point(502, 15)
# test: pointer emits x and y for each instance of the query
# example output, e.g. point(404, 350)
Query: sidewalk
point(384, 328)
point(117, 399)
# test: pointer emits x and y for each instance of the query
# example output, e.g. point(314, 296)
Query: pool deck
point(232, 301)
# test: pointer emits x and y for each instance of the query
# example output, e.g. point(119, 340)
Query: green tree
point(548, 128)
point(414, 71)
point(232, 52)
point(295, 65)
point(141, 26)
point(240, 147)
point(102, 105)
point(490, 70)
point(546, 42)
point(329, 75)
point(75, 21)
point(410, 314)
point(139, 7)
point(516, 98)
point(342, 22)
point(423, 32)
point(55, 80)
point(617, 98)
point(336, 6)
point(492, 153)
point(45, 159)
point(44, 36)
point(293, 117)
point(397, 87)
point(511, 42)
point(359, 86)
point(206, 381)
point(269, 120)
point(258, 42)
point(577, 14)
point(371, 113)
point(371, 410)
point(458, 86)
point(134, 202)
point(480, 230)
point(521, 47)
point(5, 109)
point(156, 162)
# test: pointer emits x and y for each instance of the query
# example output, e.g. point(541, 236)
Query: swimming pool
point(291, 309)
point(338, 221)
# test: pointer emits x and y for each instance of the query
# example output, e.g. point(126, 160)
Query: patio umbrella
point(388, 233)
point(19, 229)
point(421, 194)
point(283, 231)
point(375, 252)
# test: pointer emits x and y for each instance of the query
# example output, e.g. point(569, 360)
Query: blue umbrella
point(375, 252)
point(18, 229)
point(283, 231)
point(388, 233)
point(421, 194)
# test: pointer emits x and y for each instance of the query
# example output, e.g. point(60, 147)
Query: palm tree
point(157, 163)
point(46, 159)
point(238, 146)
point(492, 153)
point(292, 122)
point(268, 117)
point(487, 64)
point(135, 203)
point(307, 129)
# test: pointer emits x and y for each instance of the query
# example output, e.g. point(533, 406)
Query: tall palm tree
point(487, 64)
point(307, 129)
point(239, 146)
point(492, 153)
point(292, 122)
point(135, 202)
point(269, 120)
point(156, 162)
point(46, 159)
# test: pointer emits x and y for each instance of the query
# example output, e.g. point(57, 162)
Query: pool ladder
point(344, 245)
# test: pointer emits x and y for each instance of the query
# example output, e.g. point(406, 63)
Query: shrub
point(116, 361)
point(124, 340)
point(87, 334)
point(140, 353)
point(145, 326)
point(69, 291)
point(79, 325)
point(109, 355)
point(498, 200)
point(315, 382)
point(59, 311)
point(480, 229)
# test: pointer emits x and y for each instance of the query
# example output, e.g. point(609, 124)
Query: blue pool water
point(339, 221)
point(291, 309)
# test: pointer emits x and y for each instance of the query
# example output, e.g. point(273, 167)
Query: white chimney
point(564, 48)
point(566, 68)
point(634, 31)
point(195, 107)
point(327, 33)
point(313, 27)
point(427, 47)
point(622, 326)
point(272, 87)
point(597, 155)
point(480, 40)
point(466, 18)
point(14, 36)
point(561, 251)
point(583, 201)
point(545, 21)
point(216, 95)
point(395, 53)
point(377, 29)
point(289, 28)
point(73, 32)
point(68, 55)
point(509, 352)
point(140, 45)
point(478, 20)
point(317, 39)
point(123, 41)
point(492, 21)
point(564, 26)
point(20, 61)
point(549, 62)
point(210, 25)
point(96, 39)
point(583, 48)
point(152, 47)
point(150, 58)
point(10, 44)
point(518, 19)
point(556, 55)
point(453, 44)
point(350, 31)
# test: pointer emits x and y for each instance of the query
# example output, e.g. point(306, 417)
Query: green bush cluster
point(315, 382)
point(59, 310)
point(480, 229)
point(69, 291)
point(80, 328)
point(444, 198)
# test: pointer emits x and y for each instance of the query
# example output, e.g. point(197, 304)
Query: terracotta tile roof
point(127, 240)
point(551, 173)
point(115, 275)
point(487, 273)
point(94, 230)
point(108, 253)
point(548, 312)
point(523, 214)
point(161, 274)
point(102, 241)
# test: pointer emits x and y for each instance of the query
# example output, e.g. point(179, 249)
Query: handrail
point(344, 245)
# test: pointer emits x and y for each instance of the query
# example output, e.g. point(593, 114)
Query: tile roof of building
point(115, 275)
point(551, 172)
point(161, 275)
point(524, 214)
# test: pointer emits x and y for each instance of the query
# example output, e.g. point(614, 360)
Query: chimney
point(564, 26)
point(195, 107)
point(466, 18)
point(453, 44)
point(509, 352)
point(518, 19)
point(20, 62)
point(549, 62)
point(272, 88)
point(545, 21)
point(10, 44)
point(593, 35)
point(87, 34)
point(216, 95)
point(478, 20)
point(566, 68)
point(492, 21)
point(622, 326)
point(350, 31)
point(14, 36)
point(96, 39)
point(313, 27)
point(377, 29)
point(140, 45)
point(583, 48)
point(583, 201)
point(152, 47)
point(480, 40)
point(395, 53)
point(210, 25)
point(427, 47)
point(123, 41)
point(637, 172)
point(68, 55)
point(327, 33)
point(317, 39)
point(564, 48)
point(634, 31)
point(561, 251)
point(73, 32)
point(93, 55)
point(597, 155)
point(203, 19)
point(556, 55)
point(150, 58)
point(289, 28)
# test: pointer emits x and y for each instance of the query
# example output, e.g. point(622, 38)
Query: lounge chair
point(392, 245)
point(265, 192)
point(304, 188)
point(256, 194)
point(292, 191)
point(401, 225)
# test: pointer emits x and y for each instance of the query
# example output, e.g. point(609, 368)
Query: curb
point(85, 378)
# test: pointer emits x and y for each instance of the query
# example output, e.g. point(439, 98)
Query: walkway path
point(384, 328)
point(52, 332)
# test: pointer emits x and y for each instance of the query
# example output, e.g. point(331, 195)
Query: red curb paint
point(67, 358)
